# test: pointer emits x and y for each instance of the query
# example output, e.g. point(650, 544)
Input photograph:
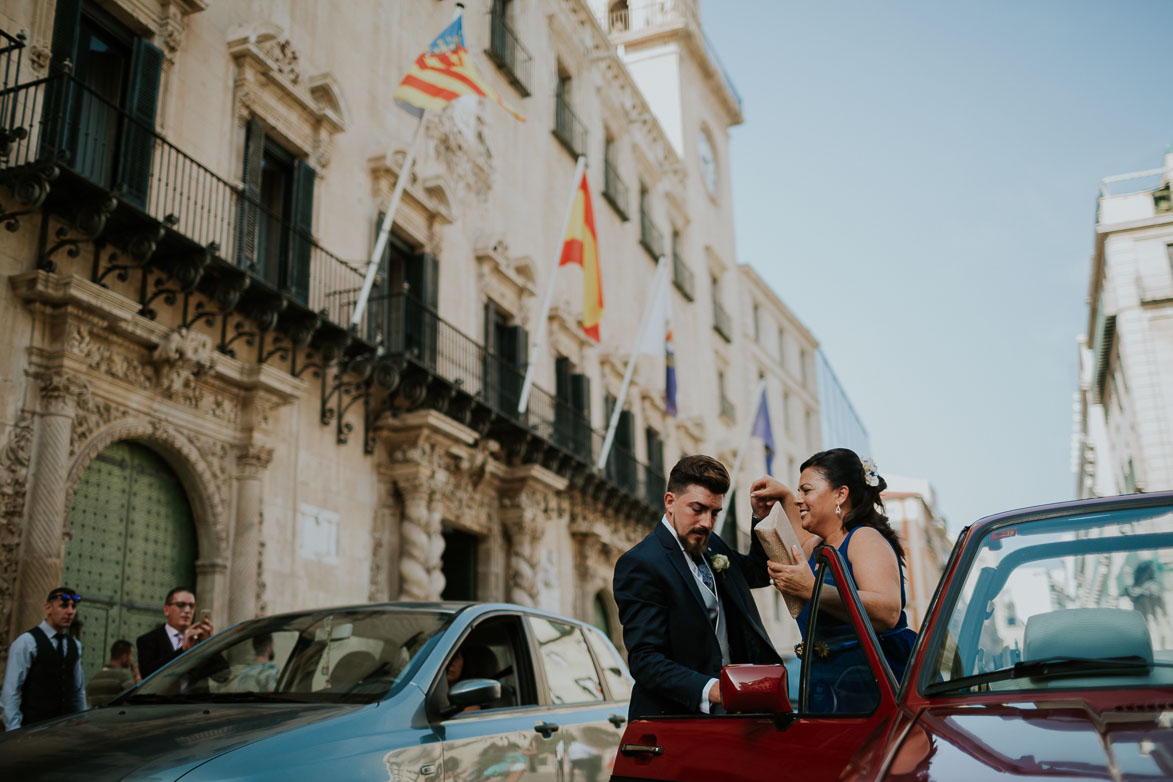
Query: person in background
point(116, 676)
point(44, 677)
point(261, 674)
point(175, 636)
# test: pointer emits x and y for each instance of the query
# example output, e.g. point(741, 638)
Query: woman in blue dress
point(838, 503)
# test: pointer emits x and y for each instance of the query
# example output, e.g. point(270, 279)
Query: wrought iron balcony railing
point(414, 335)
point(722, 323)
point(614, 189)
point(507, 51)
point(650, 236)
point(58, 120)
point(682, 276)
point(568, 128)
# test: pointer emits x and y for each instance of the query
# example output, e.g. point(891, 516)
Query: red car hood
point(1056, 740)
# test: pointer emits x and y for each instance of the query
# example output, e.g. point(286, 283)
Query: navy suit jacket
point(155, 650)
point(672, 647)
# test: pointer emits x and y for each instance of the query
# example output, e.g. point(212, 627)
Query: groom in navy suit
point(684, 599)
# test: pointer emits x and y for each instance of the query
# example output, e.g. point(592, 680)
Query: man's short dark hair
point(699, 470)
point(60, 591)
point(119, 648)
point(176, 591)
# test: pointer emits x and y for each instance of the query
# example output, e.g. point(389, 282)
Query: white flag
point(655, 336)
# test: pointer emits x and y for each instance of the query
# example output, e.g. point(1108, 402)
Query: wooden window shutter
point(138, 142)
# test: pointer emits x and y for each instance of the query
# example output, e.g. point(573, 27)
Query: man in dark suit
point(684, 599)
point(173, 637)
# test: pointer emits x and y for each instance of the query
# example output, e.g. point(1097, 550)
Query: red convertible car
point(1047, 653)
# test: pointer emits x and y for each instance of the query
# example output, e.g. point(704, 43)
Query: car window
point(495, 649)
point(619, 681)
point(570, 671)
point(840, 680)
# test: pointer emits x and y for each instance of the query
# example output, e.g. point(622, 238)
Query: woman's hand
point(796, 579)
point(765, 492)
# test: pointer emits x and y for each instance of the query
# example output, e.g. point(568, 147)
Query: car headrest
point(1087, 632)
point(352, 668)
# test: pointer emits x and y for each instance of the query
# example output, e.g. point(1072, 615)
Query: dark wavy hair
point(842, 467)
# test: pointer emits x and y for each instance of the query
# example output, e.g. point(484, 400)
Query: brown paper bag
point(777, 536)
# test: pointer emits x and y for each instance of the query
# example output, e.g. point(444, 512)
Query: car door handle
point(617, 720)
point(640, 749)
point(546, 728)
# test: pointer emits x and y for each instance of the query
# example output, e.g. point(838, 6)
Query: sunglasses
point(180, 604)
point(67, 600)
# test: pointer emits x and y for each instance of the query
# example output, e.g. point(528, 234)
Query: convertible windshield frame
point(1100, 513)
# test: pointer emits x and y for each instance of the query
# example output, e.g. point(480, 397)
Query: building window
point(505, 48)
point(277, 207)
point(802, 375)
point(506, 355)
point(618, 16)
point(782, 347)
point(572, 414)
point(682, 276)
point(614, 188)
point(721, 322)
point(568, 128)
point(725, 407)
point(649, 236)
point(654, 479)
point(786, 412)
point(757, 326)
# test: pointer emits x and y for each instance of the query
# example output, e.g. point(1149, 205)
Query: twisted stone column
point(42, 546)
point(251, 462)
point(421, 543)
point(521, 517)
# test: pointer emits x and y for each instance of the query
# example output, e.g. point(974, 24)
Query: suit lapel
point(675, 555)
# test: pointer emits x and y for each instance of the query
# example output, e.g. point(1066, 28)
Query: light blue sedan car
point(452, 692)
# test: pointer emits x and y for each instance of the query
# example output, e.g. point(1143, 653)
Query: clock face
point(708, 161)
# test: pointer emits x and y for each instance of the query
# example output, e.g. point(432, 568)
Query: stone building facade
point(1123, 411)
point(191, 192)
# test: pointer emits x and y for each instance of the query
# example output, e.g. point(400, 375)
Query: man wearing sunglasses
point(44, 678)
point(175, 636)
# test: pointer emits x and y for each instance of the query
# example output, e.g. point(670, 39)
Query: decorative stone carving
point(421, 544)
point(521, 517)
point(180, 360)
point(456, 140)
point(14, 467)
point(102, 357)
point(90, 415)
point(285, 57)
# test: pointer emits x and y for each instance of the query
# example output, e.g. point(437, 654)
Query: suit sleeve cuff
point(706, 704)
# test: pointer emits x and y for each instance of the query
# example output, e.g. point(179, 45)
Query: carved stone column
point(41, 546)
point(244, 597)
point(521, 517)
point(421, 542)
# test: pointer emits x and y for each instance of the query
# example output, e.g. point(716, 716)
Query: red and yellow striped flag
point(581, 247)
point(443, 73)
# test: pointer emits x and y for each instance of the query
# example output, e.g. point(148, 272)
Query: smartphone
point(205, 615)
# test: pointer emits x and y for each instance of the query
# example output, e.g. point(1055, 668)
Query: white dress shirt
point(176, 637)
point(20, 659)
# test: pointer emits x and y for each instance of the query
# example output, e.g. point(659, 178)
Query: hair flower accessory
point(719, 563)
point(870, 476)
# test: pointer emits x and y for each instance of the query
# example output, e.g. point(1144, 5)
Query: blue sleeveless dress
point(896, 643)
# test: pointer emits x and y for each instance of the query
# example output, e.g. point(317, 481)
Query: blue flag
point(762, 429)
point(670, 376)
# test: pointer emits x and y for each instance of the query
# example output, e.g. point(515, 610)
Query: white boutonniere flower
point(719, 563)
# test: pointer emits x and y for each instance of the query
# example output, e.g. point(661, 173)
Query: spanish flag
point(581, 247)
point(443, 73)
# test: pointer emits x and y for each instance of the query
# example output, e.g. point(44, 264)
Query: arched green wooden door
point(133, 540)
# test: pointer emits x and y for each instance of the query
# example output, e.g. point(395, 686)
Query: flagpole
point(660, 278)
point(759, 389)
point(543, 316)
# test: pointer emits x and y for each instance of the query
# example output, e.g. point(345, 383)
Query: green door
point(133, 540)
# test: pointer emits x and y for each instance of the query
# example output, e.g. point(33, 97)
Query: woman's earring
point(838, 510)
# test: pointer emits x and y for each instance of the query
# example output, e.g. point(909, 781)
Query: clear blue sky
point(917, 181)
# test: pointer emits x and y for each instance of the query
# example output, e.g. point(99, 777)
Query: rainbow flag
point(443, 73)
point(581, 247)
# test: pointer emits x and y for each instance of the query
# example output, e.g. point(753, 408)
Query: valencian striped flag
point(580, 247)
point(443, 73)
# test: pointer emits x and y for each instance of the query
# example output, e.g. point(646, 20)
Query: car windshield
point(1075, 601)
point(346, 656)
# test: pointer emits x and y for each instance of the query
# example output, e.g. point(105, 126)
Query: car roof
point(1070, 507)
point(453, 607)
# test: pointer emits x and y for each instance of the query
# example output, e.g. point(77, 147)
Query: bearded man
point(684, 599)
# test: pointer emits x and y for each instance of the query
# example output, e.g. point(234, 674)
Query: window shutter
point(580, 402)
point(249, 219)
point(59, 92)
point(563, 411)
point(624, 438)
point(302, 246)
point(138, 143)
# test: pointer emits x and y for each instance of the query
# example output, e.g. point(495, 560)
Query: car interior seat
point(1087, 632)
point(351, 669)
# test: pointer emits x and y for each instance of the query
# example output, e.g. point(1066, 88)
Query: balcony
point(682, 277)
point(650, 236)
point(182, 228)
point(507, 52)
point(428, 362)
point(568, 128)
point(722, 323)
point(614, 189)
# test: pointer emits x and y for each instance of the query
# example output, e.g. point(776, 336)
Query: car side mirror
point(473, 692)
point(754, 689)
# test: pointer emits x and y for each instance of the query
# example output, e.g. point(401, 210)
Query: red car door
point(847, 695)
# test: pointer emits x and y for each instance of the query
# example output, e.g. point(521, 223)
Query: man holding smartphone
point(176, 635)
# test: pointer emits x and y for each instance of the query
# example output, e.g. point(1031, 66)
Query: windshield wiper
point(154, 697)
point(1048, 668)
